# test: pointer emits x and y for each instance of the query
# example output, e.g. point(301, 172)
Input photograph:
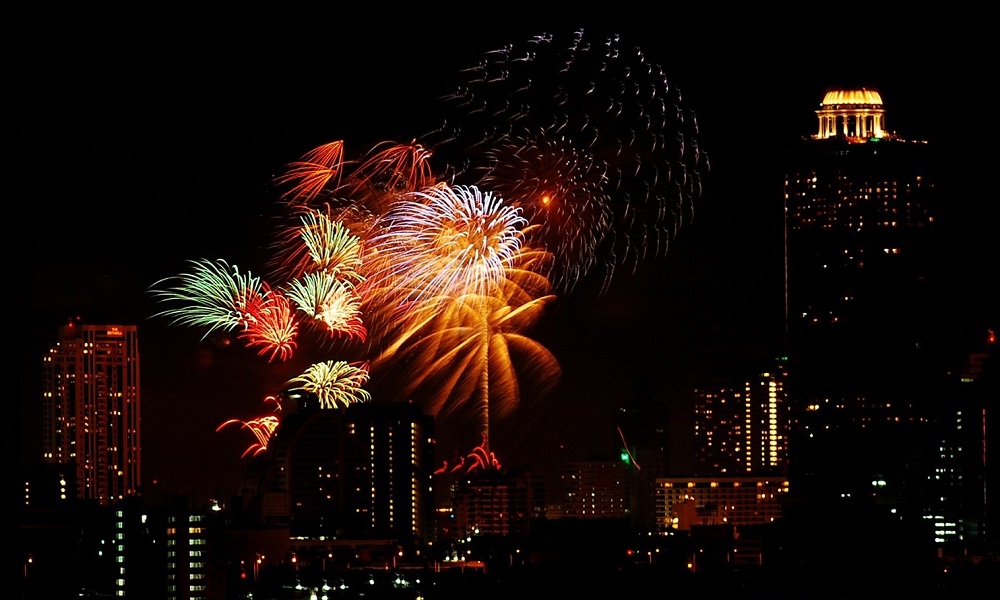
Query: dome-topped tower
point(854, 114)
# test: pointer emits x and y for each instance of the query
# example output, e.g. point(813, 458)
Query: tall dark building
point(874, 353)
point(643, 428)
point(493, 503)
point(91, 409)
point(362, 472)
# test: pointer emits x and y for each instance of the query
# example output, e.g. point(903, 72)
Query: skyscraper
point(874, 354)
point(91, 409)
point(861, 232)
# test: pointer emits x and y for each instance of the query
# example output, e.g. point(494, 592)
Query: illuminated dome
point(856, 115)
point(861, 96)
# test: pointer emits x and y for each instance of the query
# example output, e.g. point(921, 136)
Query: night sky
point(139, 148)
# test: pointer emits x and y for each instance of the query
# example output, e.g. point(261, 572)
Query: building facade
point(91, 405)
point(598, 489)
point(683, 503)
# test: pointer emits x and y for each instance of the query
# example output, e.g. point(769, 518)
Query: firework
point(480, 459)
point(467, 291)
point(561, 191)
point(261, 427)
point(323, 258)
point(329, 196)
point(388, 171)
point(558, 158)
point(271, 328)
point(214, 296)
point(469, 349)
point(360, 189)
point(446, 241)
point(589, 124)
point(317, 173)
point(333, 383)
point(319, 243)
point(330, 301)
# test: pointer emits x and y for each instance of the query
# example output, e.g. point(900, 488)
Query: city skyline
point(715, 255)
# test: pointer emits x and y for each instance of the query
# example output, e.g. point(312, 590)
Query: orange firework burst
point(315, 174)
point(463, 293)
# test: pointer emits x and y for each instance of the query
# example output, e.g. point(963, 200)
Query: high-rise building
point(873, 345)
point(861, 228)
point(741, 429)
point(91, 409)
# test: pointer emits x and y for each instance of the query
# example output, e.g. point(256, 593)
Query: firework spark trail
point(355, 191)
point(479, 459)
point(261, 427)
point(391, 169)
point(317, 173)
point(583, 131)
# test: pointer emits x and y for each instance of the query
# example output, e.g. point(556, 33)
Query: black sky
point(143, 145)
